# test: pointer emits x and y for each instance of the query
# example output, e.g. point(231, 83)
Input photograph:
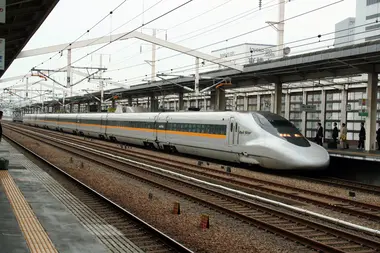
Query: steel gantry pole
point(280, 28)
point(101, 83)
point(68, 83)
point(154, 57)
point(196, 84)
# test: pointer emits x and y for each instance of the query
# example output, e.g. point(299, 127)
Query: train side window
point(214, 129)
point(232, 126)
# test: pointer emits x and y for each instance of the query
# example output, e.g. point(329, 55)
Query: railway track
point(104, 213)
point(314, 235)
point(248, 184)
point(346, 184)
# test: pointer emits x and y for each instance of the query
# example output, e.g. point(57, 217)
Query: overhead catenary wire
point(169, 71)
point(69, 44)
point(230, 38)
point(240, 35)
point(120, 37)
point(235, 18)
point(255, 30)
point(190, 19)
point(127, 22)
point(319, 36)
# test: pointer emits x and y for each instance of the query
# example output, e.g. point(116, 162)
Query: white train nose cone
point(313, 158)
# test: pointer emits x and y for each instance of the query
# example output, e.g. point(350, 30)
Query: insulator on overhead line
point(260, 4)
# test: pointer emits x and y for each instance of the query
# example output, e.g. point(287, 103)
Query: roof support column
point(258, 102)
point(245, 101)
point(234, 103)
point(370, 142)
point(153, 103)
point(130, 100)
point(180, 101)
point(218, 100)
point(323, 111)
point(287, 106)
point(343, 108)
point(303, 124)
point(196, 84)
point(277, 98)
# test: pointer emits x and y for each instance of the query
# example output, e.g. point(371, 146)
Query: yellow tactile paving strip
point(36, 237)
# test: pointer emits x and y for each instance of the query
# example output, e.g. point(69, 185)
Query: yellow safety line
point(36, 237)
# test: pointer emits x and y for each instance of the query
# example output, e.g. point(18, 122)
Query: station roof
point(23, 18)
point(347, 61)
point(331, 63)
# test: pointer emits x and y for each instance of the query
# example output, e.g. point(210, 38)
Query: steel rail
point(228, 204)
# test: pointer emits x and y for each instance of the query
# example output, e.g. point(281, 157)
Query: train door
point(233, 132)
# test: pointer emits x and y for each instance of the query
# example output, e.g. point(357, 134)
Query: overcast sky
point(72, 18)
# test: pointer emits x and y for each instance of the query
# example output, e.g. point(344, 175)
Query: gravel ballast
point(225, 234)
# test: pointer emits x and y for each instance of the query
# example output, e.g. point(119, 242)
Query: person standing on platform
point(319, 136)
point(343, 137)
point(335, 133)
point(361, 136)
point(378, 138)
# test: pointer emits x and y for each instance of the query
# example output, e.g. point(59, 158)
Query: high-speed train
point(260, 138)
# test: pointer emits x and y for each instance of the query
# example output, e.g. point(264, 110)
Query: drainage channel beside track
point(311, 234)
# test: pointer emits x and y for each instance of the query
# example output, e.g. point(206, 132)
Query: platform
point(354, 153)
point(36, 218)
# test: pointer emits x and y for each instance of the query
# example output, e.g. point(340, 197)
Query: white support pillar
point(245, 99)
point(258, 102)
point(370, 142)
point(303, 124)
point(272, 103)
point(196, 84)
point(322, 117)
point(343, 111)
point(277, 98)
point(287, 106)
point(234, 102)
